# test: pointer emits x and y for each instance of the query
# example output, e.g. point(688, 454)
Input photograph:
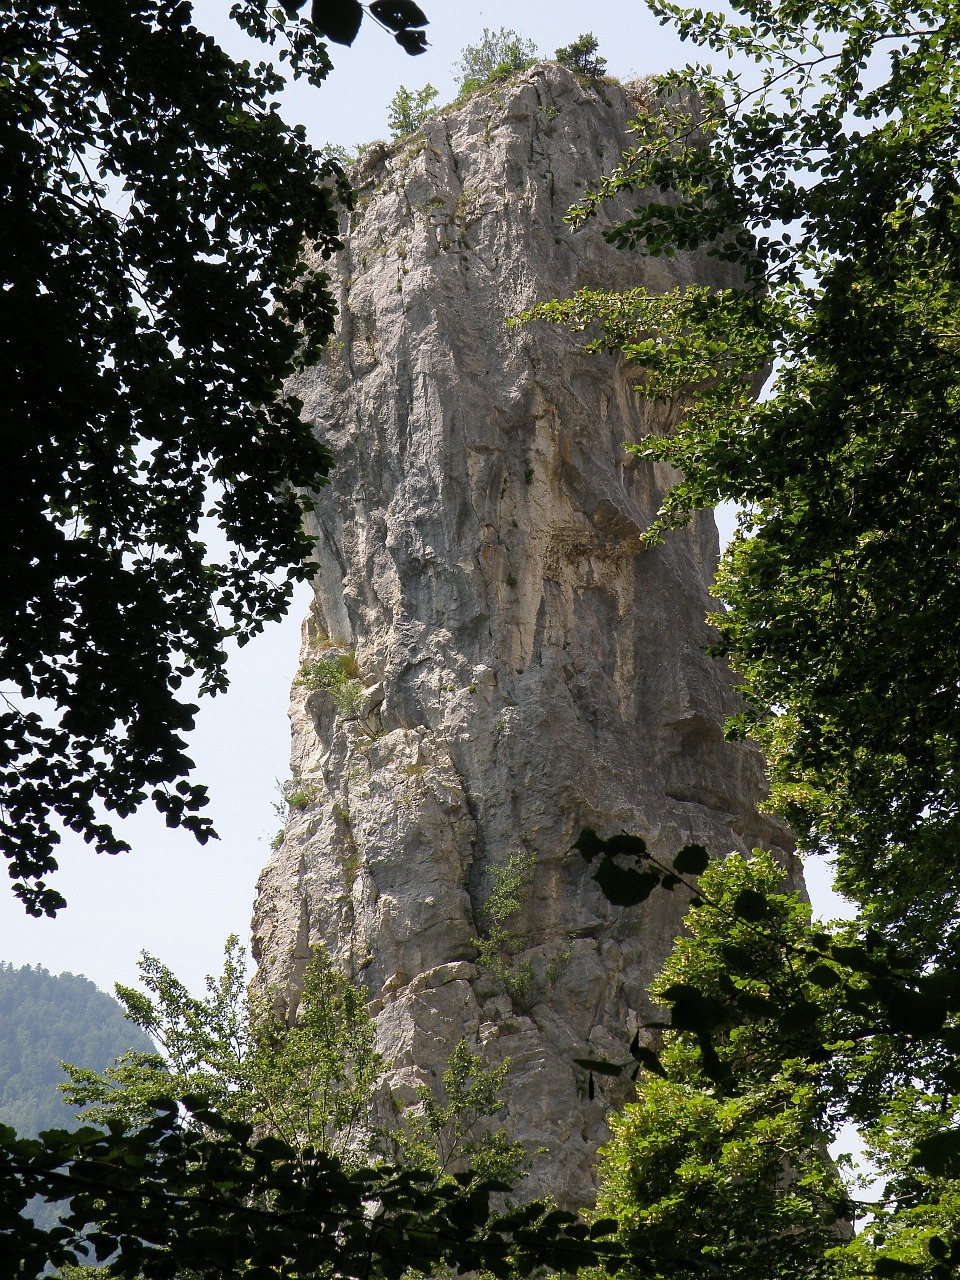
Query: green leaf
point(750, 905)
point(798, 1016)
point(891, 1267)
point(649, 1060)
point(412, 42)
point(588, 844)
point(625, 845)
point(624, 887)
point(821, 975)
point(938, 1248)
point(338, 20)
point(855, 958)
point(691, 1009)
point(738, 959)
point(939, 1153)
point(399, 14)
point(692, 859)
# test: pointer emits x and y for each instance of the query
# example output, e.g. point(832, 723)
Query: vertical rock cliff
point(495, 661)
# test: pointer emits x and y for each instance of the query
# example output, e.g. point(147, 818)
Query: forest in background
point(46, 1019)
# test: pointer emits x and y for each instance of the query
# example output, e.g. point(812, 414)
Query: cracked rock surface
point(523, 667)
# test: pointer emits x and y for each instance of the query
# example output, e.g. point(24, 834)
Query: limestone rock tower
point(513, 665)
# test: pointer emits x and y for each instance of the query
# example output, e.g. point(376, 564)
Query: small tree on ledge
point(581, 57)
point(409, 108)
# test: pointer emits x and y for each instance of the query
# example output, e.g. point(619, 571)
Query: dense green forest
point(46, 1019)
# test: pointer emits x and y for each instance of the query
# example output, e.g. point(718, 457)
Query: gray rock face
point(525, 667)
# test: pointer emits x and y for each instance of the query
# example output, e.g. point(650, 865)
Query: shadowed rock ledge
point(524, 667)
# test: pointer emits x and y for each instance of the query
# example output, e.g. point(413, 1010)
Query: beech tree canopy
point(156, 214)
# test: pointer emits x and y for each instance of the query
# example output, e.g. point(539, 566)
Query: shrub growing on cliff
point(449, 1127)
point(497, 945)
point(499, 55)
point(409, 108)
point(339, 677)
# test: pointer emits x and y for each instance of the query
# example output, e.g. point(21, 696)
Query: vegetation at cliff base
point(721, 1161)
point(309, 1084)
point(247, 1145)
point(312, 1077)
point(779, 1034)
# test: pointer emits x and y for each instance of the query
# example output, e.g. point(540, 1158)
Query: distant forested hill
point(46, 1020)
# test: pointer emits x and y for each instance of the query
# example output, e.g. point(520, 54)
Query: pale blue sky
point(170, 896)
